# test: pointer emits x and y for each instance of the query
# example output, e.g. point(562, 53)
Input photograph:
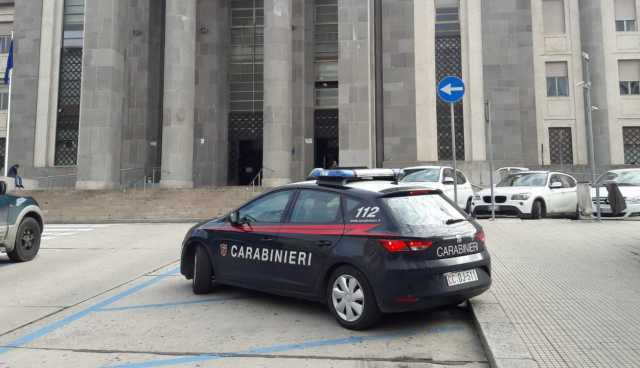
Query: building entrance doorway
point(326, 138)
point(245, 147)
point(249, 160)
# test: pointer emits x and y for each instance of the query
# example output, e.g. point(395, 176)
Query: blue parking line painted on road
point(43, 331)
point(171, 304)
point(282, 348)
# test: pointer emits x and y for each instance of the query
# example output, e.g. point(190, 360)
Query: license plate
point(462, 277)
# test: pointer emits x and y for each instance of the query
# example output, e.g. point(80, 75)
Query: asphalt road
point(111, 296)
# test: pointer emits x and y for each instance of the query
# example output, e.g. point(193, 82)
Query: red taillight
point(396, 245)
point(480, 236)
point(406, 299)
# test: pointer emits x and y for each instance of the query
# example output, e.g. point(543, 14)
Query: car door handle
point(324, 243)
point(266, 239)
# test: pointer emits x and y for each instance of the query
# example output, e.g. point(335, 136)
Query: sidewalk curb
point(499, 337)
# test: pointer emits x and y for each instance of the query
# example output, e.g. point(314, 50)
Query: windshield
point(423, 211)
point(624, 178)
point(422, 176)
point(524, 180)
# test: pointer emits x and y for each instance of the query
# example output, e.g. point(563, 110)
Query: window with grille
point(67, 126)
point(631, 138)
point(553, 14)
point(326, 53)
point(246, 55)
point(449, 62)
point(557, 79)
point(3, 148)
point(5, 43)
point(626, 15)
point(629, 77)
point(4, 101)
point(560, 146)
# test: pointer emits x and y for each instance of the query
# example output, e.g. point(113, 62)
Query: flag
point(7, 72)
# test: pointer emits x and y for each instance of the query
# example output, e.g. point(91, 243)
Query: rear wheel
point(27, 242)
point(202, 272)
point(537, 210)
point(351, 299)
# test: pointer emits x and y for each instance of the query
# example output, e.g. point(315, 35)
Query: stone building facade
point(219, 92)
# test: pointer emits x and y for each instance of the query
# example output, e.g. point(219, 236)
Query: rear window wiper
point(454, 221)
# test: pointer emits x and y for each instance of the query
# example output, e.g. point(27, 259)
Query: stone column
point(103, 95)
point(356, 83)
point(179, 94)
point(277, 146)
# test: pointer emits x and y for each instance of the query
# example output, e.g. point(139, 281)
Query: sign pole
point(491, 182)
point(6, 140)
point(453, 150)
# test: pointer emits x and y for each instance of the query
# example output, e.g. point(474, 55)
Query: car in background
point(503, 172)
point(354, 240)
point(530, 194)
point(21, 224)
point(442, 178)
point(628, 181)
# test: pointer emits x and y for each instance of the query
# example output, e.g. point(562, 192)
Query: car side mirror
point(234, 218)
point(448, 181)
point(556, 185)
point(3, 188)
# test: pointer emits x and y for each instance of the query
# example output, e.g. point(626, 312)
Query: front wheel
point(202, 272)
point(351, 299)
point(537, 211)
point(27, 243)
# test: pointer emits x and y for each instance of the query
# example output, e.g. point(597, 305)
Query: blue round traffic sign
point(451, 89)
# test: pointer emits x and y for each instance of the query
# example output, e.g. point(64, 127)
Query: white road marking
point(56, 231)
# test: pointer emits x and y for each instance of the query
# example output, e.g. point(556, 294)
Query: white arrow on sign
point(449, 89)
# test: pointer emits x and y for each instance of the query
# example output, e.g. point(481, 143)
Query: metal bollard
point(585, 202)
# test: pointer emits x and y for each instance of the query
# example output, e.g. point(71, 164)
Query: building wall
point(6, 27)
point(559, 112)
point(504, 51)
point(606, 47)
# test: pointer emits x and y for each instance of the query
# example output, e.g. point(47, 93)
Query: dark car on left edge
point(21, 224)
point(362, 245)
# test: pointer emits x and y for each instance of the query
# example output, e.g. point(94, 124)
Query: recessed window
point(557, 79)
point(629, 77)
point(553, 14)
point(631, 137)
point(626, 16)
point(560, 146)
point(5, 43)
point(4, 101)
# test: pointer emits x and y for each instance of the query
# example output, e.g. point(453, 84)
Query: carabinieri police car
point(362, 245)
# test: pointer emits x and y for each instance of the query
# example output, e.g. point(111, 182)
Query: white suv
point(440, 177)
point(533, 194)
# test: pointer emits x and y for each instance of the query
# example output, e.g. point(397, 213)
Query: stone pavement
point(571, 289)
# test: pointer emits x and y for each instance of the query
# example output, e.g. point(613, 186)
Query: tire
point(467, 209)
point(27, 243)
point(202, 272)
point(537, 210)
point(342, 280)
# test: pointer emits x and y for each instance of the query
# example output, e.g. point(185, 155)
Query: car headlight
point(520, 196)
point(476, 197)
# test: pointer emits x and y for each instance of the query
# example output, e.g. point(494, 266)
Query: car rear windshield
point(623, 178)
point(524, 180)
point(421, 176)
point(422, 215)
